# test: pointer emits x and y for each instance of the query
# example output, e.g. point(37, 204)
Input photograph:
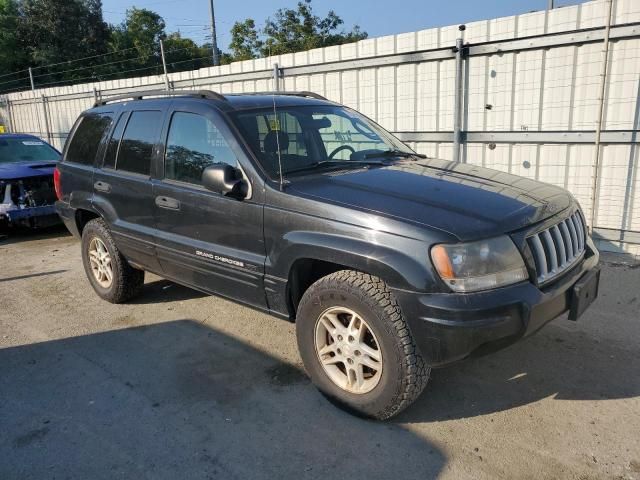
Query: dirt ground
point(180, 385)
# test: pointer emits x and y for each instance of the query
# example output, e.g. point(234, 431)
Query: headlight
point(469, 267)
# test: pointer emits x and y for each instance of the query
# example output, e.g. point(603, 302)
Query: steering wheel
point(339, 149)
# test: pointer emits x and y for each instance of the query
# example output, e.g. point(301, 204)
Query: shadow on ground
point(163, 291)
point(555, 362)
point(180, 400)
point(18, 235)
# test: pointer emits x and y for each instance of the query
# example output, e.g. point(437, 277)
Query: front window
point(193, 144)
point(313, 138)
point(26, 149)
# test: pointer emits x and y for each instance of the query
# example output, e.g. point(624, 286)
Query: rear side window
point(136, 147)
point(87, 137)
point(114, 141)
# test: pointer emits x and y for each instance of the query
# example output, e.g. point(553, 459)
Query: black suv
point(389, 263)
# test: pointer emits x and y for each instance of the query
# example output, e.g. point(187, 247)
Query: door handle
point(102, 186)
point(168, 203)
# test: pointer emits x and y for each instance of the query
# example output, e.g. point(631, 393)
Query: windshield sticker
point(32, 143)
point(274, 124)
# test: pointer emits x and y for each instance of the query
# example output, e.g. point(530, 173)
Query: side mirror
point(225, 179)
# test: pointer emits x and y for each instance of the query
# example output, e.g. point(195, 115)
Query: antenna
point(277, 121)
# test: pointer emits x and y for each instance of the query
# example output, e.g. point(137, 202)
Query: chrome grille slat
point(557, 236)
point(541, 260)
point(579, 231)
point(566, 236)
point(551, 251)
point(558, 248)
point(574, 237)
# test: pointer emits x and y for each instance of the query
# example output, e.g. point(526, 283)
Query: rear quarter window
point(87, 137)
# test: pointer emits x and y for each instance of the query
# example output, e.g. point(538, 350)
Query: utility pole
point(214, 42)
point(550, 5)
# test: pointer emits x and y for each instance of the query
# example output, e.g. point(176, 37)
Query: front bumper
point(449, 327)
point(43, 216)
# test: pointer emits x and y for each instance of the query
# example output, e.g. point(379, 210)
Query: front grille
point(558, 248)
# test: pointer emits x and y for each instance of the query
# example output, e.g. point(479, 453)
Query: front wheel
point(357, 347)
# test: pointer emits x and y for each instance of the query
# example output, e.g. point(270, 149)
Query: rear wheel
point(110, 275)
point(357, 347)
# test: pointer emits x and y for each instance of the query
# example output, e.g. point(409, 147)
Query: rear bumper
point(68, 216)
point(450, 327)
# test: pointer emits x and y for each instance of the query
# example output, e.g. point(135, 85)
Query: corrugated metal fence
point(531, 98)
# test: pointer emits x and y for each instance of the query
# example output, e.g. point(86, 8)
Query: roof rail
point(294, 94)
point(139, 95)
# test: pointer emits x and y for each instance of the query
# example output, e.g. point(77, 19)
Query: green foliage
point(291, 31)
point(184, 54)
point(142, 29)
point(245, 43)
point(51, 31)
point(11, 55)
point(67, 41)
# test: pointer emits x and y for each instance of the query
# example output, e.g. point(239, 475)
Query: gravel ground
point(180, 385)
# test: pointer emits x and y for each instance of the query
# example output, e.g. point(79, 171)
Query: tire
point(355, 298)
point(126, 281)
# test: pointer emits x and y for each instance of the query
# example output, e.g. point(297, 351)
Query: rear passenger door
point(205, 239)
point(122, 187)
point(79, 156)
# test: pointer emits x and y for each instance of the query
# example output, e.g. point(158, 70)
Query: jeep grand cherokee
point(390, 263)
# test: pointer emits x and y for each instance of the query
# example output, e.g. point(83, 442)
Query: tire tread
point(415, 370)
point(127, 281)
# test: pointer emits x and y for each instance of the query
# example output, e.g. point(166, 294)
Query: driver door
point(207, 240)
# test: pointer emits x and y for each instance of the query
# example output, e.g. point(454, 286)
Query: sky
point(191, 17)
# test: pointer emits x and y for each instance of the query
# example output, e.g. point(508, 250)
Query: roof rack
point(139, 95)
point(293, 94)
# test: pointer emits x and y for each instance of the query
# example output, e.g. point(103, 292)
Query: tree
point(183, 53)
point(245, 43)
point(53, 31)
point(11, 54)
point(296, 30)
point(142, 29)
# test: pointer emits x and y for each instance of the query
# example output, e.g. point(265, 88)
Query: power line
point(141, 57)
point(86, 58)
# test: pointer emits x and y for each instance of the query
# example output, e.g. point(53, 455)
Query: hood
point(464, 200)
point(17, 170)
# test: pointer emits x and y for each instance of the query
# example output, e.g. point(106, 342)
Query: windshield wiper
point(393, 153)
point(336, 163)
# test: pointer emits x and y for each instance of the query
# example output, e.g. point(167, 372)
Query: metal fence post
point(164, 66)
point(457, 108)
point(31, 79)
point(9, 116)
point(600, 119)
point(33, 89)
point(276, 77)
point(46, 118)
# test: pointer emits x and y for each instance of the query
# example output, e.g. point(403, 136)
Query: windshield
point(26, 149)
point(311, 138)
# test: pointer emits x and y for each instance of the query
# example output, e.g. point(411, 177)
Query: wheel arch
point(84, 216)
point(311, 256)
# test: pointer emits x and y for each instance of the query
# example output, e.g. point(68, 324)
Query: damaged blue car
point(27, 193)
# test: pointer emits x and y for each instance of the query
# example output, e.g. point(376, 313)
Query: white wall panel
point(553, 89)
